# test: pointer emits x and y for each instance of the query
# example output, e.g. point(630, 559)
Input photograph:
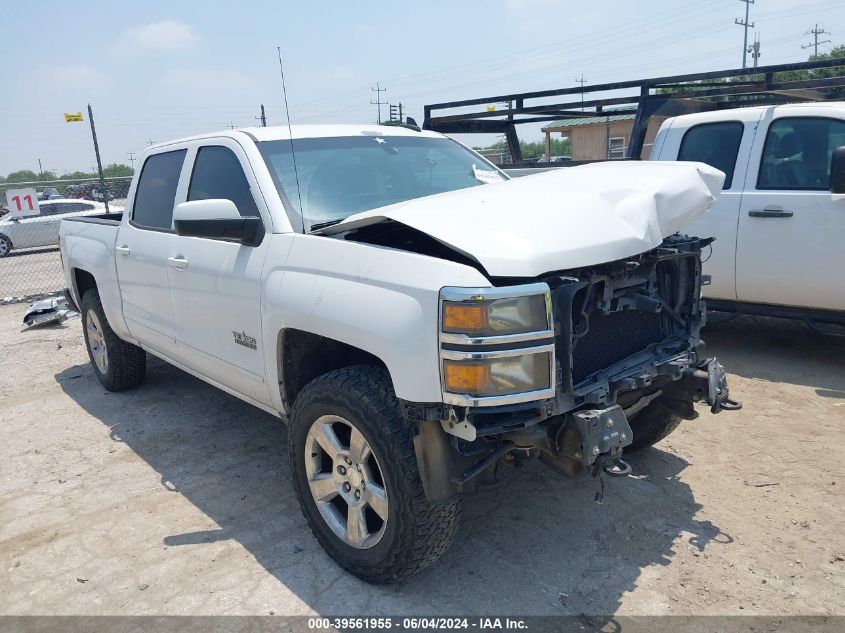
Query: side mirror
point(837, 170)
point(217, 219)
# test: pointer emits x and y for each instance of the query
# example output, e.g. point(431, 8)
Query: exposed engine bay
point(626, 335)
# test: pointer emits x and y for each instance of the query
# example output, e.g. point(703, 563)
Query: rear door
point(791, 229)
point(725, 145)
point(215, 284)
point(143, 245)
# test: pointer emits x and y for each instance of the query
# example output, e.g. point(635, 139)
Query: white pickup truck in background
point(416, 316)
point(780, 221)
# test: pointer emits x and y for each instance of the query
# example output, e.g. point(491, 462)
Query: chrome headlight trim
point(534, 342)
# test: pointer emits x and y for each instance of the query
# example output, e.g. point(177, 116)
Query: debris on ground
point(760, 484)
point(47, 311)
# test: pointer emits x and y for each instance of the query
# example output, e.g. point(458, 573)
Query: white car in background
point(43, 229)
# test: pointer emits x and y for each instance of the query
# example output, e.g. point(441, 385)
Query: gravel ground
point(174, 499)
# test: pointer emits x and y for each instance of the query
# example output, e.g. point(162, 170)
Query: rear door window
point(156, 195)
point(218, 176)
point(716, 144)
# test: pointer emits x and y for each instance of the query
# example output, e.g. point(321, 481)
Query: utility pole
point(745, 24)
point(99, 162)
point(131, 156)
point(581, 81)
point(40, 171)
point(754, 49)
point(262, 117)
point(151, 142)
point(815, 32)
point(378, 102)
point(231, 126)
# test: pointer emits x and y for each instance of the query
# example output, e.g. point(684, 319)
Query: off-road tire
point(654, 423)
point(417, 532)
point(127, 363)
point(5, 245)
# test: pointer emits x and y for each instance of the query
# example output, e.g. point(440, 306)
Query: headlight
point(496, 345)
point(498, 376)
point(496, 317)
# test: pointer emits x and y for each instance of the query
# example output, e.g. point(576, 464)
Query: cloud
point(164, 36)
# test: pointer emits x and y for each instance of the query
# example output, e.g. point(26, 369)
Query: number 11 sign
point(22, 202)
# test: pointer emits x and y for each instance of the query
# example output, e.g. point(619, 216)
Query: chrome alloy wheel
point(346, 481)
point(97, 342)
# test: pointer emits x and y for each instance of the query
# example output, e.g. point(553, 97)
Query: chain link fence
point(30, 216)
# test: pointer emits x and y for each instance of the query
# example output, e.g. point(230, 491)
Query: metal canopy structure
point(666, 96)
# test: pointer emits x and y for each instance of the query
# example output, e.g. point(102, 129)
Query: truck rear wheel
point(117, 364)
point(654, 423)
point(355, 474)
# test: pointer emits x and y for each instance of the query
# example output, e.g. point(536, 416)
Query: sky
point(155, 70)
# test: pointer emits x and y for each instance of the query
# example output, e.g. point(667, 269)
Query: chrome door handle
point(774, 211)
point(122, 250)
point(178, 262)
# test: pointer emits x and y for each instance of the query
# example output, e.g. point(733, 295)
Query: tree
point(78, 175)
point(837, 52)
point(116, 170)
point(22, 175)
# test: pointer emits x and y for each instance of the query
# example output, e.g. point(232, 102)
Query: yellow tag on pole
point(73, 117)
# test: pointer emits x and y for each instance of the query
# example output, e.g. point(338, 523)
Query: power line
point(815, 32)
point(378, 102)
point(745, 24)
point(581, 81)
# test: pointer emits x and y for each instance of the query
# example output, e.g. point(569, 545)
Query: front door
point(791, 229)
point(215, 284)
point(142, 248)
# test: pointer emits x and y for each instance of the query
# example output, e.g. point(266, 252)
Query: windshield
point(341, 176)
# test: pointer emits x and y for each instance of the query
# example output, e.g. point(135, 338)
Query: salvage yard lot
point(174, 499)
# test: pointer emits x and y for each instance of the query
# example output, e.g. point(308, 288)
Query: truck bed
point(102, 218)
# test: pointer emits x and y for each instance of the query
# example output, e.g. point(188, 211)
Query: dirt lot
point(174, 499)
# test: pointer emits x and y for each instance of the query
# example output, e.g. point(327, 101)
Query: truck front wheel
point(117, 364)
point(355, 474)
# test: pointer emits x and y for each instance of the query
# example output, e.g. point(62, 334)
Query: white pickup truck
point(415, 316)
point(780, 221)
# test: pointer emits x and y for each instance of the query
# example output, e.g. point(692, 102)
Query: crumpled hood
point(560, 219)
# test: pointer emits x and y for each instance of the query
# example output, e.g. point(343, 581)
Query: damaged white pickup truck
point(416, 317)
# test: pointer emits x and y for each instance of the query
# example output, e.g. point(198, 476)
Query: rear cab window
point(716, 144)
point(156, 193)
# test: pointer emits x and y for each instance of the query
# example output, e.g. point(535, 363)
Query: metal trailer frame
point(679, 94)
